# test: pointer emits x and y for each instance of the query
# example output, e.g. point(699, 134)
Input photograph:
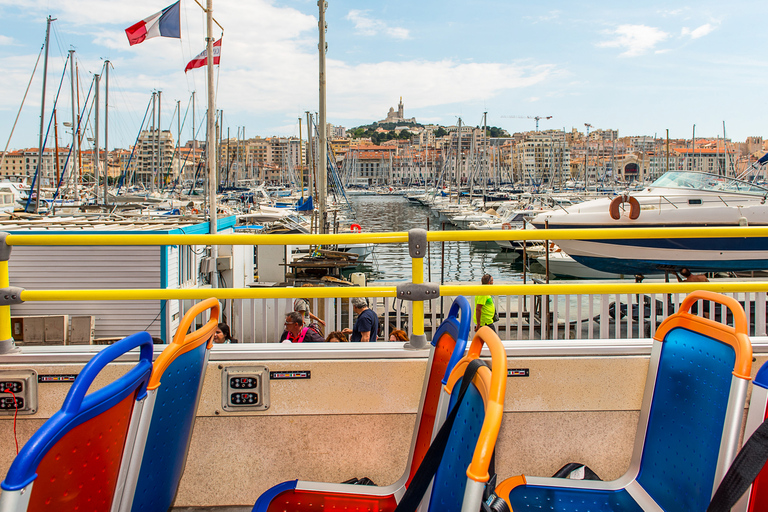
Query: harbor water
point(446, 263)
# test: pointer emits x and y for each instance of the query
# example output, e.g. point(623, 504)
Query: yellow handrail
point(204, 293)
point(390, 291)
point(233, 239)
point(389, 237)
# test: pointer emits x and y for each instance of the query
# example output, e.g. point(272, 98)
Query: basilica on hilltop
point(397, 116)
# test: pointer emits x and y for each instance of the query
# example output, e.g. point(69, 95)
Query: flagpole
point(210, 145)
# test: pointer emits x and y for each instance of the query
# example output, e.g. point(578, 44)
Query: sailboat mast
point(79, 177)
point(322, 170)
point(96, 159)
point(159, 144)
point(210, 145)
point(485, 166)
point(42, 117)
point(301, 163)
point(178, 139)
point(75, 128)
point(310, 156)
point(194, 144)
point(106, 129)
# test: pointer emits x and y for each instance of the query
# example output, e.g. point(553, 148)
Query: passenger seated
point(297, 332)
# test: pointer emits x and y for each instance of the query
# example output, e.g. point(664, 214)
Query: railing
point(528, 311)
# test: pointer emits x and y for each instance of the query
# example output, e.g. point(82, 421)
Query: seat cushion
point(561, 499)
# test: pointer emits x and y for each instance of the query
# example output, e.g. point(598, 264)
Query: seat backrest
point(450, 342)
point(74, 459)
point(758, 413)
point(165, 428)
point(693, 405)
point(463, 471)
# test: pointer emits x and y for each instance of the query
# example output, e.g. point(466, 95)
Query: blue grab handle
point(77, 392)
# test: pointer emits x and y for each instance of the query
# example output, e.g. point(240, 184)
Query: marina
point(432, 312)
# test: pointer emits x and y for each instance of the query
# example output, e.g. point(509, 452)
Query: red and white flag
point(202, 57)
point(165, 23)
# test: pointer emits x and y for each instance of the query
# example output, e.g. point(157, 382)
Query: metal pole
point(73, 153)
point(322, 181)
point(106, 130)
point(211, 143)
point(194, 142)
point(160, 166)
point(151, 140)
point(178, 125)
point(6, 335)
point(96, 159)
point(301, 166)
point(42, 118)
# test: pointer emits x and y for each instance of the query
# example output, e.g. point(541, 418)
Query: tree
point(441, 132)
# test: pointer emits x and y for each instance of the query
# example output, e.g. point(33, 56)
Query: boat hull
point(647, 256)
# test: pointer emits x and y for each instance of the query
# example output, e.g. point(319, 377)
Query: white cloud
point(268, 74)
point(366, 91)
point(368, 26)
point(696, 33)
point(6, 41)
point(635, 39)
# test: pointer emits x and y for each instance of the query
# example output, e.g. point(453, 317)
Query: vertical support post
point(417, 248)
point(7, 345)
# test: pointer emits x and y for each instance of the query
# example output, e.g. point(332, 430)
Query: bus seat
point(448, 346)
point(689, 426)
point(755, 498)
point(77, 458)
point(168, 417)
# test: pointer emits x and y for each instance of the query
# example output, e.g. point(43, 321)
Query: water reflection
point(448, 262)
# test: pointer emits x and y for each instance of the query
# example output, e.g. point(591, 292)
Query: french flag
point(165, 23)
point(202, 58)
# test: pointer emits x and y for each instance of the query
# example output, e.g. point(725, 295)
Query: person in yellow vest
point(485, 309)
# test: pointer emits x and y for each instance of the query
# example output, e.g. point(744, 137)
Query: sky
point(637, 67)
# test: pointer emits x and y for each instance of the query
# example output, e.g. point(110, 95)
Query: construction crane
point(529, 117)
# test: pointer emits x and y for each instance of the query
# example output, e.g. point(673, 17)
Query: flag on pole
point(166, 23)
point(202, 58)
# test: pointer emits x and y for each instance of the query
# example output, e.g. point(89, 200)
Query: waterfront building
point(191, 162)
point(21, 164)
point(371, 165)
point(154, 160)
point(544, 158)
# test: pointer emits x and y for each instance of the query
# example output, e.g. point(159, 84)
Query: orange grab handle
point(481, 459)
point(183, 342)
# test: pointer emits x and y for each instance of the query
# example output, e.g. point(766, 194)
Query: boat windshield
point(705, 181)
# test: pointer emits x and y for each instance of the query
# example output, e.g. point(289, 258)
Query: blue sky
point(639, 68)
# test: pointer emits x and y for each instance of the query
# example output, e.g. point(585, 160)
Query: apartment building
point(155, 162)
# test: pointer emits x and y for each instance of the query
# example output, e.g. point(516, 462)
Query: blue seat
point(167, 419)
point(75, 459)
point(756, 498)
point(689, 425)
point(448, 346)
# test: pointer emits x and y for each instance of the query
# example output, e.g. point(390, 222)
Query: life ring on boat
point(355, 228)
point(553, 247)
point(195, 211)
point(634, 207)
point(506, 225)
